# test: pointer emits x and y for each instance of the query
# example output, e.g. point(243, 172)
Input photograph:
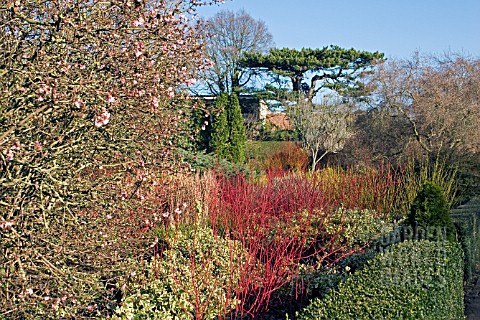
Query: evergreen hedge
point(468, 233)
point(412, 280)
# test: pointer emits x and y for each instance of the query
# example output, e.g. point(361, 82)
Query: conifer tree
point(237, 135)
point(220, 131)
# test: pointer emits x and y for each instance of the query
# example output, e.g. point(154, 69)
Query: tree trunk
point(297, 82)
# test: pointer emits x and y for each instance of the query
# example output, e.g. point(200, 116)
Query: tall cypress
point(237, 135)
point(220, 131)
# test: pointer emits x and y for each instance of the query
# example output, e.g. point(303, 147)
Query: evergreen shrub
point(194, 278)
point(412, 280)
point(430, 209)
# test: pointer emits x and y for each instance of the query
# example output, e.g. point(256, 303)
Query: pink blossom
point(155, 102)
point(110, 99)
point(164, 48)
point(140, 21)
point(38, 146)
point(102, 119)
point(6, 224)
point(165, 214)
point(178, 211)
point(82, 66)
point(139, 49)
point(45, 89)
point(10, 155)
point(171, 92)
point(77, 103)
point(191, 81)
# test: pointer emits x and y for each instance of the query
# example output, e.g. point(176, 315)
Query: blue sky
point(397, 28)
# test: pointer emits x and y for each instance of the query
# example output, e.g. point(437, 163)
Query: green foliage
point(200, 127)
point(194, 279)
point(237, 136)
point(202, 162)
point(357, 227)
point(293, 64)
point(430, 209)
point(466, 219)
point(228, 136)
point(413, 280)
point(417, 174)
point(220, 127)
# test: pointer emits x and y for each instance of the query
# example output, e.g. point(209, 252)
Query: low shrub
point(412, 280)
point(416, 174)
point(430, 209)
point(284, 222)
point(194, 278)
point(275, 155)
point(202, 162)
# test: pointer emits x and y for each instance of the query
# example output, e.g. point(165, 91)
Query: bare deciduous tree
point(323, 129)
point(440, 99)
point(229, 36)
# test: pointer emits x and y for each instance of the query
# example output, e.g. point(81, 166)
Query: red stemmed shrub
point(293, 219)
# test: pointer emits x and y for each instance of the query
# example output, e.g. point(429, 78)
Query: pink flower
point(77, 103)
point(38, 146)
point(139, 49)
point(45, 89)
point(102, 119)
point(10, 155)
point(164, 47)
point(140, 21)
point(171, 92)
point(155, 102)
point(82, 66)
point(191, 81)
point(110, 99)
point(165, 214)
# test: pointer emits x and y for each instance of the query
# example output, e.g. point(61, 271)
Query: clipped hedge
point(468, 233)
point(412, 280)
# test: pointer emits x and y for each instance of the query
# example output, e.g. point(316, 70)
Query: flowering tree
point(90, 105)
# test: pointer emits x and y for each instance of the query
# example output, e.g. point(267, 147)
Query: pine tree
point(237, 136)
point(220, 131)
